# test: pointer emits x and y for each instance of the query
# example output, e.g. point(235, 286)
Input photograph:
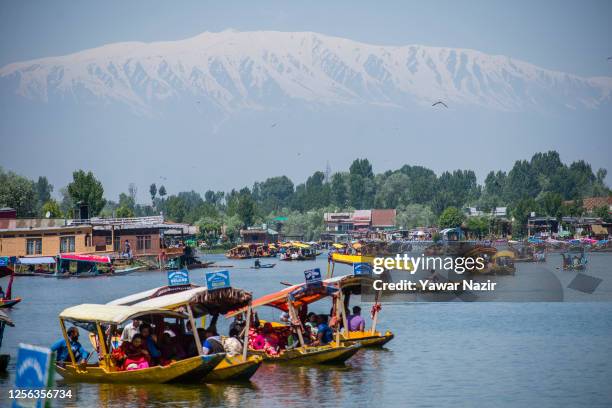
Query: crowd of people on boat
point(137, 346)
point(316, 330)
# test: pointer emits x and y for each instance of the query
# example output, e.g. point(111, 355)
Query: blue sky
point(571, 36)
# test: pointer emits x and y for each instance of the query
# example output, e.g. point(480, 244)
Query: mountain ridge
point(232, 70)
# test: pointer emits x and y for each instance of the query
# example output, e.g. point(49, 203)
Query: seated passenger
point(170, 348)
point(136, 354)
point(150, 342)
point(232, 345)
point(324, 332)
point(212, 343)
point(311, 322)
point(61, 349)
point(355, 321)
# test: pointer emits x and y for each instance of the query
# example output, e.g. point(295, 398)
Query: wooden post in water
point(247, 327)
point(102, 344)
point(196, 336)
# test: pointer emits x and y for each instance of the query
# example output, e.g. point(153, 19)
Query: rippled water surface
point(545, 354)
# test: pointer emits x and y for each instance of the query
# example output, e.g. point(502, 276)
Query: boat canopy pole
point(342, 304)
point(375, 318)
point(194, 329)
point(68, 346)
point(293, 317)
point(338, 307)
point(247, 327)
point(102, 345)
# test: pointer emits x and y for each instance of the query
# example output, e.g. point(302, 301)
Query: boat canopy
point(4, 318)
point(112, 314)
point(201, 300)
point(501, 254)
point(148, 294)
point(299, 294)
point(352, 282)
point(36, 260)
point(338, 246)
point(86, 258)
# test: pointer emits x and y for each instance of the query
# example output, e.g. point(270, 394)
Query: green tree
point(451, 217)
point(43, 190)
point(246, 209)
point(52, 208)
point(162, 191)
point(550, 204)
point(603, 213)
point(414, 215)
point(478, 226)
point(521, 213)
point(153, 192)
point(19, 193)
point(394, 191)
point(339, 190)
point(87, 189)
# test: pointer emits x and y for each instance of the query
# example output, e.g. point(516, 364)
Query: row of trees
point(541, 184)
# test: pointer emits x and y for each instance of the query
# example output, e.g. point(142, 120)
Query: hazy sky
point(570, 36)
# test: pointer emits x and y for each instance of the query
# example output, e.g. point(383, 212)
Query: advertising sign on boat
point(312, 277)
point(217, 280)
point(362, 268)
point(177, 278)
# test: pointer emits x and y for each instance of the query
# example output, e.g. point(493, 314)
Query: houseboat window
point(87, 240)
point(117, 245)
point(67, 244)
point(34, 246)
point(143, 242)
point(109, 240)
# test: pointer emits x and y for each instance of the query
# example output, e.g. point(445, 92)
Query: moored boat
point(290, 300)
point(198, 302)
point(93, 317)
point(4, 358)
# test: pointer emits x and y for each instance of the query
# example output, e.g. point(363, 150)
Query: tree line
point(542, 184)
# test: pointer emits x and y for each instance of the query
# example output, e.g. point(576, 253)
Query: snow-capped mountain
point(261, 70)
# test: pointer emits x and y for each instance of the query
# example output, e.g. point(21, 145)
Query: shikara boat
point(345, 259)
point(290, 300)
point(89, 266)
point(94, 317)
point(7, 269)
point(263, 266)
point(197, 302)
point(4, 358)
point(352, 285)
point(297, 251)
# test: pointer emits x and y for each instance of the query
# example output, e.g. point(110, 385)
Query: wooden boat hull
point(234, 369)
point(367, 338)
point(7, 303)
point(329, 354)
point(189, 370)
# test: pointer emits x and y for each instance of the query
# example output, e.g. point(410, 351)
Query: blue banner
point(312, 276)
point(33, 371)
point(177, 278)
point(362, 268)
point(217, 280)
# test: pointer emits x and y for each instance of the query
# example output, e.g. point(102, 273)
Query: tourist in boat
point(130, 330)
point(311, 323)
point(238, 324)
point(355, 321)
point(212, 343)
point(150, 342)
point(127, 249)
point(324, 332)
point(257, 263)
point(170, 348)
point(61, 349)
point(136, 355)
point(232, 344)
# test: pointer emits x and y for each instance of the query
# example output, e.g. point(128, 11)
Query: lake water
point(545, 354)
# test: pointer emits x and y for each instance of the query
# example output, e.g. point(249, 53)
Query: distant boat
point(263, 266)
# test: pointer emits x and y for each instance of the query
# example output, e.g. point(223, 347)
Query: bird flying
point(440, 103)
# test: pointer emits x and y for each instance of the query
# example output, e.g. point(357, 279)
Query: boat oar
point(286, 283)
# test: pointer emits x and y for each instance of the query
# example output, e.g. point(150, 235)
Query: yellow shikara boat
point(391, 263)
point(197, 302)
point(353, 284)
point(289, 299)
point(93, 317)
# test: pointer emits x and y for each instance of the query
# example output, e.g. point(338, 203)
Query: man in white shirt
point(130, 330)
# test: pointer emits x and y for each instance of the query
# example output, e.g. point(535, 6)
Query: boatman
point(63, 356)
